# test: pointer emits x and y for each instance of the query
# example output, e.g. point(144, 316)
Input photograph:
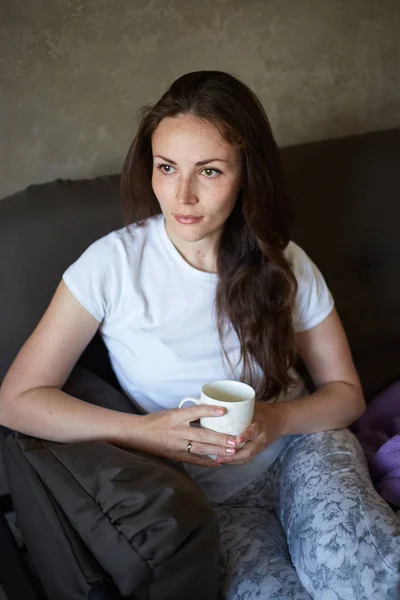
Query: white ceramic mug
point(238, 398)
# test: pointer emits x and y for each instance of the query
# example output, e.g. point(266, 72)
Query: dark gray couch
point(346, 216)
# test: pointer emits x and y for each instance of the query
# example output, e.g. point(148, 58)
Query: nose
point(186, 191)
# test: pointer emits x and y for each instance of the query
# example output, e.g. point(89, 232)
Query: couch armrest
point(63, 564)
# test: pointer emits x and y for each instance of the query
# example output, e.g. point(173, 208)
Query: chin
point(186, 231)
point(190, 236)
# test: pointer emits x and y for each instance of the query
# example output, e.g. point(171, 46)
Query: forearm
point(51, 414)
point(332, 406)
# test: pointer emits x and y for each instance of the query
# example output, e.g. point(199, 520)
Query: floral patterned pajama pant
point(312, 527)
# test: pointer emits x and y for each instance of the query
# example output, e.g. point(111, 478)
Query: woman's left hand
point(266, 427)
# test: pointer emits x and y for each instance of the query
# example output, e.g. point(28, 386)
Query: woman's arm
point(31, 400)
point(338, 399)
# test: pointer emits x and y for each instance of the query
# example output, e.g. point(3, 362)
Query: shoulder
point(99, 276)
point(125, 243)
point(110, 257)
point(313, 300)
point(299, 261)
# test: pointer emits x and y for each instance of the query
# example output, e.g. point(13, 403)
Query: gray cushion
point(145, 524)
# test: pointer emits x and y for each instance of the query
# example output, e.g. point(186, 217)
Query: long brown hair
point(256, 287)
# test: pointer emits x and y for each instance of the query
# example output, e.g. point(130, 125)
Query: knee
point(320, 470)
point(322, 452)
point(337, 526)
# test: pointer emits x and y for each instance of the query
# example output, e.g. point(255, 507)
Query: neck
point(201, 255)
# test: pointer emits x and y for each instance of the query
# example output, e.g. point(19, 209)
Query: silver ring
point(189, 446)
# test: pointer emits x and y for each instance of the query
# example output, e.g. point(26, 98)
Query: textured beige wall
point(74, 72)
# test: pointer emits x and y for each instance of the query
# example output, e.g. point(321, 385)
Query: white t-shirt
point(157, 318)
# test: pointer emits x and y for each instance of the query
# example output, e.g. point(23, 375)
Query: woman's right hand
point(167, 433)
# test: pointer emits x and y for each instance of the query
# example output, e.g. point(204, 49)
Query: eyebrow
point(198, 164)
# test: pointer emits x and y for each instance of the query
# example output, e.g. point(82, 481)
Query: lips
point(187, 219)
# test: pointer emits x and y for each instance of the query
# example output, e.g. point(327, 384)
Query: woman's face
point(196, 178)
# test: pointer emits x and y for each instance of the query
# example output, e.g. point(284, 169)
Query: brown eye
point(165, 169)
point(211, 173)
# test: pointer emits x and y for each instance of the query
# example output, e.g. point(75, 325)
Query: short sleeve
point(314, 301)
point(86, 278)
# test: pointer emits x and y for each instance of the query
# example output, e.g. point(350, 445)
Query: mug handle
point(189, 399)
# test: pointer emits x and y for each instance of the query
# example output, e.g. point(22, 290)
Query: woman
point(212, 288)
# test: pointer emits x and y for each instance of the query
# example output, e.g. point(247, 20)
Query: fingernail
point(220, 411)
point(232, 442)
point(230, 450)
